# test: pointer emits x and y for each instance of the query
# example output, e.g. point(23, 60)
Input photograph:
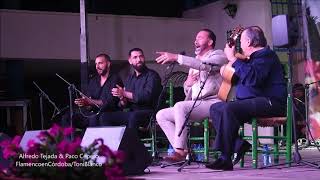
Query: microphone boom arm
point(82, 94)
point(43, 94)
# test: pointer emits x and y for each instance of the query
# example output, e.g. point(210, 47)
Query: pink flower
point(16, 140)
point(69, 147)
point(105, 151)
point(73, 146)
point(54, 130)
point(11, 148)
point(31, 143)
point(34, 148)
point(55, 141)
point(9, 152)
point(96, 141)
point(5, 143)
point(62, 146)
point(43, 135)
point(67, 131)
point(120, 156)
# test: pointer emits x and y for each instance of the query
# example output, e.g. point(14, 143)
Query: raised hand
point(230, 52)
point(166, 57)
point(118, 91)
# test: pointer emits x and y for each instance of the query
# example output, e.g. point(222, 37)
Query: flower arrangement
point(56, 156)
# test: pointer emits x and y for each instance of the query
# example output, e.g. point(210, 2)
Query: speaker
point(137, 158)
point(284, 31)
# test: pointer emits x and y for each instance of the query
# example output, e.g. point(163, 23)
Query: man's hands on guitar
point(192, 79)
point(230, 53)
point(84, 101)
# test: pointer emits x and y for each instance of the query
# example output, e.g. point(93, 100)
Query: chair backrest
point(175, 79)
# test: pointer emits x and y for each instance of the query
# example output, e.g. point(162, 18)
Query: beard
point(200, 48)
point(102, 72)
point(138, 68)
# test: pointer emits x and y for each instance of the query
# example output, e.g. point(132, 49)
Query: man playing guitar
point(260, 92)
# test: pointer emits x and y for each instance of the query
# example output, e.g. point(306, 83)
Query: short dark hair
point(134, 49)
point(212, 36)
point(105, 56)
point(256, 36)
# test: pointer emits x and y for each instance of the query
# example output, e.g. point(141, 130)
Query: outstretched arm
point(217, 57)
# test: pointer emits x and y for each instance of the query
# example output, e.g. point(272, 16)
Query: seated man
point(139, 94)
point(261, 91)
point(171, 120)
point(99, 98)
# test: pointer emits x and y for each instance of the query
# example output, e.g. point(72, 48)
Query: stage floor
point(198, 171)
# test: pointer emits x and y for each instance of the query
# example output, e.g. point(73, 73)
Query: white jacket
point(212, 85)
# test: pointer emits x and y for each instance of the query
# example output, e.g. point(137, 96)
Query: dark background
point(159, 8)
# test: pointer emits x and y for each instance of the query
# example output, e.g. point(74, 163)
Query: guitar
point(227, 71)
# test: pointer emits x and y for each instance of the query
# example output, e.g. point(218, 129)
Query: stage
point(198, 171)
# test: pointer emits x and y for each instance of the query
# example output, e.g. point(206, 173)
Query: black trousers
point(81, 119)
point(228, 116)
point(131, 119)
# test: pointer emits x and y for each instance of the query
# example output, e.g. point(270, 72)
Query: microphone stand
point(41, 110)
point(306, 91)
point(296, 154)
point(186, 123)
point(42, 95)
point(71, 89)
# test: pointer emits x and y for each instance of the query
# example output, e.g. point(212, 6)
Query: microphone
point(210, 64)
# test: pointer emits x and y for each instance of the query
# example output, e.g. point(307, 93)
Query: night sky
point(159, 8)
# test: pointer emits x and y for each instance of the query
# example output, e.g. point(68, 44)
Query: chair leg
point(206, 139)
point(153, 144)
point(241, 133)
point(254, 143)
point(289, 132)
point(276, 145)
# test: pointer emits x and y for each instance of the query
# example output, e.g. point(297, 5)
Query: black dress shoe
point(242, 151)
point(175, 157)
point(220, 164)
point(214, 164)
